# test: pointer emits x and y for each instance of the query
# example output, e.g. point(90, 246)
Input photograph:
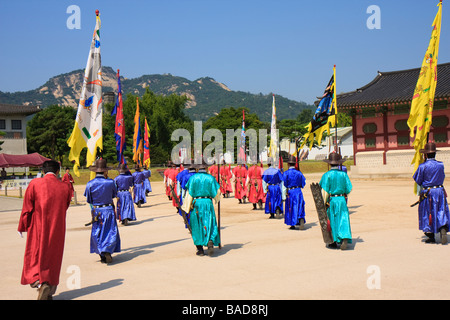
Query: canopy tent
point(22, 160)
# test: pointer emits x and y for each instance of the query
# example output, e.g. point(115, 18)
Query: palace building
point(381, 137)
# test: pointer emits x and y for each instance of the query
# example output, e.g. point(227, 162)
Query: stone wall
point(398, 163)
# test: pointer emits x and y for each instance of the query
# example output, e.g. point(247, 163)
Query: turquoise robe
point(336, 182)
point(202, 216)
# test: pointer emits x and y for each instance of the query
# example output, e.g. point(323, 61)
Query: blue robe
point(203, 220)
point(294, 181)
point(147, 185)
point(125, 206)
point(105, 233)
point(138, 190)
point(179, 177)
point(273, 185)
point(337, 182)
point(429, 174)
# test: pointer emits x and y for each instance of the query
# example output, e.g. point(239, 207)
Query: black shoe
point(292, 228)
point(254, 206)
point(430, 236)
point(240, 201)
point(272, 216)
point(332, 245)
point(200, 251)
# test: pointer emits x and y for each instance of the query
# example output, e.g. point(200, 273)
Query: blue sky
point(287, 47)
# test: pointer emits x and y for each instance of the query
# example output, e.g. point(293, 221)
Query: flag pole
point(335, 108)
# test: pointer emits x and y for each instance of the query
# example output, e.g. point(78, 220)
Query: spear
point(218, 204)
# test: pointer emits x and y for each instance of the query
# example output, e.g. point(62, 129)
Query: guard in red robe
point(225, 183)
point(68, 179)
point(43, 218)
point(214, 171)
point(255, 186)
point(240, 178)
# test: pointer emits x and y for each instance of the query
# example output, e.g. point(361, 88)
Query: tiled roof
point(7, 109)
point(394, 87)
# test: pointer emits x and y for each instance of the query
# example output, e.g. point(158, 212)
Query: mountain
point(206, 96)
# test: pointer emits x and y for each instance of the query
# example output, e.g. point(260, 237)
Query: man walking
point(125, 207)
point(336, 186)
point(202, 189)
point(100, 192)
point(273, 185)
point(294, 181)
point(43, 218)
point(433, 208)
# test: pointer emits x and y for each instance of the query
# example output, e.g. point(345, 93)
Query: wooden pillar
point(354, 137)
point(385, 135)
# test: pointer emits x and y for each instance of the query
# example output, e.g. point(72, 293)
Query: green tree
point(49, 130)
point(164, 115)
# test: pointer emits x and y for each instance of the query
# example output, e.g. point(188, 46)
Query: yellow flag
point(420, 116)
point(87, 132)
point(325, 115)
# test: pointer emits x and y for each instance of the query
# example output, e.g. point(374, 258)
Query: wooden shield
point(322, 212)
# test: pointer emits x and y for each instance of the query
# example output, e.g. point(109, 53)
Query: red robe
point(166, 174)
point(68, 179)
point(240, 176)
point(213, 170)
point(172, 179)
point(256, 191)
point(225, 176)
point(43, 217)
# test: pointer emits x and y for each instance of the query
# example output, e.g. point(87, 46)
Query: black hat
point(334, 158)
point(99, 166)
point(123, 168)
point(292, 159)
point(430, 147)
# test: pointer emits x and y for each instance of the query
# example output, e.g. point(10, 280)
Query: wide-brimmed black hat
point(123, 168)
point(292, 159)
point(202, 165)
point(430, 147)
point(334, 158)
point(100, 166)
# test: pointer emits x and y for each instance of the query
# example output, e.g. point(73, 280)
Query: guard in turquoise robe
point(202, 188)
point(336, 186)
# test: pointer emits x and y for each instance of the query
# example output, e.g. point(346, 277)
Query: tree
point(49, 130)
point(164, 115)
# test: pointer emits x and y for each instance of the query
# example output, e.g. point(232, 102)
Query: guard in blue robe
point(336, 186)
point(273, 186)
point(125, 207)
point(100, 192)
point(202, 189)
point(139, 190)
point(294, 206)
point(183, 182)
point(147, 185)
point(433, 208)
point(178, 178)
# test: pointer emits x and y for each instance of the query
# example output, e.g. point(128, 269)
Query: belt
point(103, 205)
point(338, 195)
point(293, 188)
point(433, 187)
point(275, 184)
point(202, 198)
point(123, 190)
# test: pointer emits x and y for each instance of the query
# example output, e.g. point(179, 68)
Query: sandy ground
point(261, 259)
